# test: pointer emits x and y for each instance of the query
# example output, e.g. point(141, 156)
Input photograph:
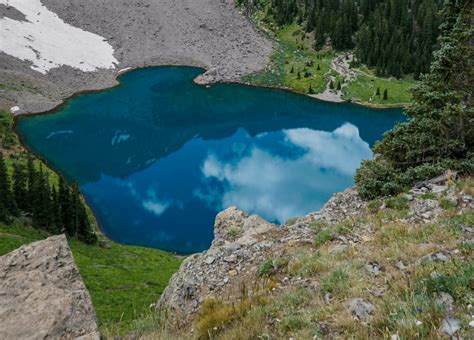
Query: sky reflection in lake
point(159, 156)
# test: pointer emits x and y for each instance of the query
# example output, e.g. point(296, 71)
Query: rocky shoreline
point(208, 34)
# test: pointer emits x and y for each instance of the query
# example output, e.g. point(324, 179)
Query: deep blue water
point(159, 156)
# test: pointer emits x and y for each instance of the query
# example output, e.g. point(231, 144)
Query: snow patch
point(48, 42)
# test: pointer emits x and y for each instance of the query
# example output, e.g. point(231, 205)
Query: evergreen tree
point(377, 92)
point(395, 36)
point(65, 208)
point(439, 133)
point(385, 94)
point(31, 181)
point(298, 76)
point(82, 226)
point(310, 90)
point(20, 190)
point(55, 224)
point(338, 86)
point(331, 85)
point(7, 200)
point(43, 206)
point(292, 69)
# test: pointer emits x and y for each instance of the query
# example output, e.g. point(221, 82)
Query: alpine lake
point(158, 156)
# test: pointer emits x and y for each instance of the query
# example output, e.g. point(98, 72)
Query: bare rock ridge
point(42, 295)
point(206, 33)
point(243, 243)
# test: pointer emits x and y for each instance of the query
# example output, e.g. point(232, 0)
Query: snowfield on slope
point(48, 42)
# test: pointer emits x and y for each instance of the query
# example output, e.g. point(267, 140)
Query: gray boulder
point(42, 295)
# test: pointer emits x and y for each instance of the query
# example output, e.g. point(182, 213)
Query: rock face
point(42, 295)
point(241, 244)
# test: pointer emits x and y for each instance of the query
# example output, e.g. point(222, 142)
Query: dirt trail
point(340, 64)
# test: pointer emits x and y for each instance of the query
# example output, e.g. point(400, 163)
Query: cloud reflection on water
point(278, 187)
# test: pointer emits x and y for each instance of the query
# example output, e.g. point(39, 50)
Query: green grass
point(14, 236)
point(7, 136)
point(364, 89)
point(322, 237)
point(296, 54)
point(123, 280)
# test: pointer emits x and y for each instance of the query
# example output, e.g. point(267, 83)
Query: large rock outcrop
point(245, 245)
point(241, 244)
point(42, 295)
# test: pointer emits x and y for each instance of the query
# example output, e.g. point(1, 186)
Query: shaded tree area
point(439, 134)
point(28, 191)
point(396, 37)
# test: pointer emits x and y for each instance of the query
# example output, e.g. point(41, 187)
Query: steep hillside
point(401, 267)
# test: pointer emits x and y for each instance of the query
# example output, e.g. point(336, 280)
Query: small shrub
point(344, 228)
point(270, 267)
point(234, 232)
point(377, 178)
point(335, 283)
point(322, 237)
point(374, 206)
point(313, 265)
point(318, 225)
point(294, 322)
point(214, 315)
point(398, 202)
point(266, 268)
point(429, 196)
point(457, 280)
point(291, 221)
point(447, 204)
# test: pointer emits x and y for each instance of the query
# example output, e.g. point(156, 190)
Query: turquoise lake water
point(159, 156)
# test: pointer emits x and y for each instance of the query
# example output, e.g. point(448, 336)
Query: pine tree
point(318, 68)
point(82, 226)
point(7, 200)
point(55, 225)
point(339, 86)
point(298, 76)
point(20, 190)
point(65, 207)
point(31, 181)
point(331, 85)
point(385, 94)
point(43, 206)
point(377, 92)
point(292, 69)
point(439, 134)
point(396, 36)
point(310, 90)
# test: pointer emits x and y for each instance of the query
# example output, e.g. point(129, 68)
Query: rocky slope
point(42, 294)
point(205, 33)
point(241, 243)
point(248, 254)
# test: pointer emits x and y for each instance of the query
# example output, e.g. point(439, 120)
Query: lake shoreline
point(122, 72)
point(305, 114)
point(141, 36)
